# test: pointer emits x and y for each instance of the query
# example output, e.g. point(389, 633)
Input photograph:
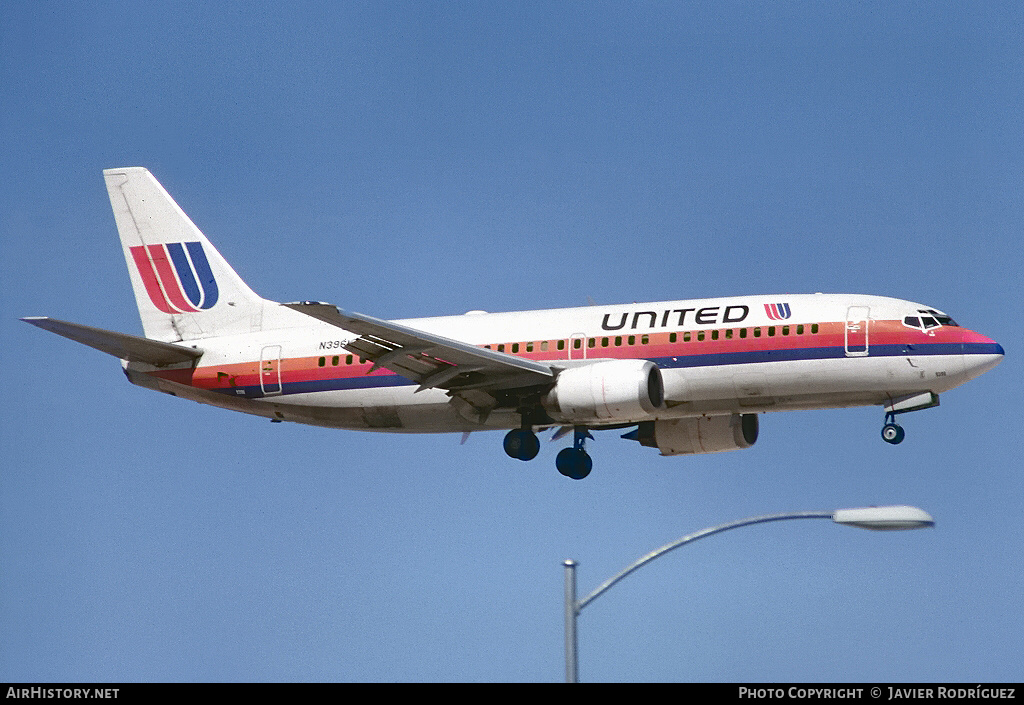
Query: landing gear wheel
point(521, 444)
point(893, 433)
point(574, 462)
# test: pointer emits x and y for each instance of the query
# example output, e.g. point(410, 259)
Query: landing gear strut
point(575, 462)
point(892, 432)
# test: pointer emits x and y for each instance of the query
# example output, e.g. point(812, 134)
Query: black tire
point(893, 433)
point(521, 444)
point(574, 462)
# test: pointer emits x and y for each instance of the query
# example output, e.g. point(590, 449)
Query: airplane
point(685, 377)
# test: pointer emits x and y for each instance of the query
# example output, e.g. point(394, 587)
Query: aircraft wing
point(428, 359)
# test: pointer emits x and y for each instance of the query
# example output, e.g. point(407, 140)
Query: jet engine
point(704, 434)
point(608, 391)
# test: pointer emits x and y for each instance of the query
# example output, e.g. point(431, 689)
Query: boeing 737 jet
point(680, 376)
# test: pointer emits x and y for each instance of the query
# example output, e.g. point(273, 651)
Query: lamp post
point(877, 518)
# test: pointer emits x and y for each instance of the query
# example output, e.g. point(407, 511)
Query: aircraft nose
point(981, 353)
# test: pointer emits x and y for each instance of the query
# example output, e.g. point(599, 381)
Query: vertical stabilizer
point(184, 288)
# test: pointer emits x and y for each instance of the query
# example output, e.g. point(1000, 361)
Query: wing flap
point(429, 360)
point(121, 345)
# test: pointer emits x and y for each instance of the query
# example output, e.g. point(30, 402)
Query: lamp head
point(892, 518)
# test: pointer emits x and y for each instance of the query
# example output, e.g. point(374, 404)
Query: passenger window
point(591, 342)
point(714, 335)
point(515, 347)
point(604, 342)
point(543, 346)
point(671, 338)
point(644, 340)
point(686, 337)
point(577, 343)
point(814, 329)
point(335, 360)
point(800, 329)
point(618, 340)
point(785, 330)
point(771, 330)
point(322, 361)
point(529, 347)
point(501, 347)
point(743, 332)
point(700, 335)
point(632, 340)
point(728, 333)
point(757, 332)
point(348, 359)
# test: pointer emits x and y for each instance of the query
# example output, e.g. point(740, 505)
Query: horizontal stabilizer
point(120, 345)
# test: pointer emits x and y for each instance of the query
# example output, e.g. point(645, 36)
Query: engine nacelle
point(613, 390)
point(705, 434)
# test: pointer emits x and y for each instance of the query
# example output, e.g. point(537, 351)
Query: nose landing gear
point(892, 432)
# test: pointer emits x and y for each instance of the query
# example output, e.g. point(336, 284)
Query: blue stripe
point(983, 349)
point(184, 270)
point(829, 353)
point(680, 361)
point(322, 385)
point(206, 280)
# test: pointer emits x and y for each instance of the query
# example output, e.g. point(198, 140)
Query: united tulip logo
point(777, 312)
point(177, 276)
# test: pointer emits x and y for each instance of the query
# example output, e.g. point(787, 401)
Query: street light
point(891, 518)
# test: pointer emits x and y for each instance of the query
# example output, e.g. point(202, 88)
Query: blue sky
point(410, 159)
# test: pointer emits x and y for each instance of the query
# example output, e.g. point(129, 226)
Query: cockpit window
point(942, 318)
point(930, 319)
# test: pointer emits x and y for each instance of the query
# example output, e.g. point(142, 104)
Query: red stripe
point(149, 280)
point(165, 270)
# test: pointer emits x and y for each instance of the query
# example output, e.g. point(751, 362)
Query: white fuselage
point(743, 354)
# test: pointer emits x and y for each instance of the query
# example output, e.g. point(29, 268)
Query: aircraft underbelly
point(807, 384)
point(693, 391)
point(752, 381)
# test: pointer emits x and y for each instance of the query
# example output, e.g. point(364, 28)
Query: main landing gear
point(892, 432)
point(522, 444)
point(575, 462)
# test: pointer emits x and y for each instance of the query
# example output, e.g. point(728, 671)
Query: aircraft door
point(857, 324)
point(270, 370)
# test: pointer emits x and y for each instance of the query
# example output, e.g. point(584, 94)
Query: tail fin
point(184, 288)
